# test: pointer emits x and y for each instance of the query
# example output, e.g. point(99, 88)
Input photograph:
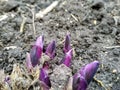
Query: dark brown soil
point(94, 26)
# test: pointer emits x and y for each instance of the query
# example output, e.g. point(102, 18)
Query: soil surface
point(94, 26)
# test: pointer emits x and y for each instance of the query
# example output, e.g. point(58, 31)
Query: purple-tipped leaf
point(82, 78)
point(67, 58)
point(36, 51)
point(89, 71)
point(35, 55)
point(44, 78)
point(40, 41)
point(28, 62)
point(67, 46)
point(50, 51)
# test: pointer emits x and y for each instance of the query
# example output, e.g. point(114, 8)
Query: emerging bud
point(28, 62)
point(40, 41)
point(82, 78)
point(89, 71)
point(67, 46)
point(35, 55)
point(36, 51)
point(67, 58)
point(50, 51)
point(44, 78)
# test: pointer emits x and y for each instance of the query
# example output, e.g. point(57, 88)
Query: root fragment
point(100, 83)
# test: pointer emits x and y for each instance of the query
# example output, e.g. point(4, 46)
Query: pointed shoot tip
point(40, 41)
point(50, 51)
point(67, 46)
point(90, 70)
point(28, 62)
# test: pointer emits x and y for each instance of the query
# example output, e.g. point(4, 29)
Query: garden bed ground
point(94, 26)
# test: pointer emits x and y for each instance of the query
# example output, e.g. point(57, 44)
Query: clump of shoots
point(78, 81)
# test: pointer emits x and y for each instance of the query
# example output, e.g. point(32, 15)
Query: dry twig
point(22, 24)
point(100, 83)
point(3, 17)
point(33, 21)
point(110, 47)
point(41, 14)
point(33, 18)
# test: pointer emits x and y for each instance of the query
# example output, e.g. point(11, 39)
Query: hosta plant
point(37, 73)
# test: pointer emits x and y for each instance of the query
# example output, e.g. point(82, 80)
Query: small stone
point(94, 22)
point(114, 71)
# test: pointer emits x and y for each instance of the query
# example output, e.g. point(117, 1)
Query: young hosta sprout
point(67, 58)
point(82, 78)
point(36, 51)
point(28, 62)
point(67, 46)
point(44, 79)
point(89, 71)
point(50, 50)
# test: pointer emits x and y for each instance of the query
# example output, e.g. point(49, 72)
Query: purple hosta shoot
point(67, 58)
point(89, 70)
point(50, 50)
point(82, 78)
point(44, 79)
point(36, 51)
point(28, 62)
point(67, 46)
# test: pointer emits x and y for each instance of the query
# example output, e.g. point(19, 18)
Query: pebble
point(114, 71)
